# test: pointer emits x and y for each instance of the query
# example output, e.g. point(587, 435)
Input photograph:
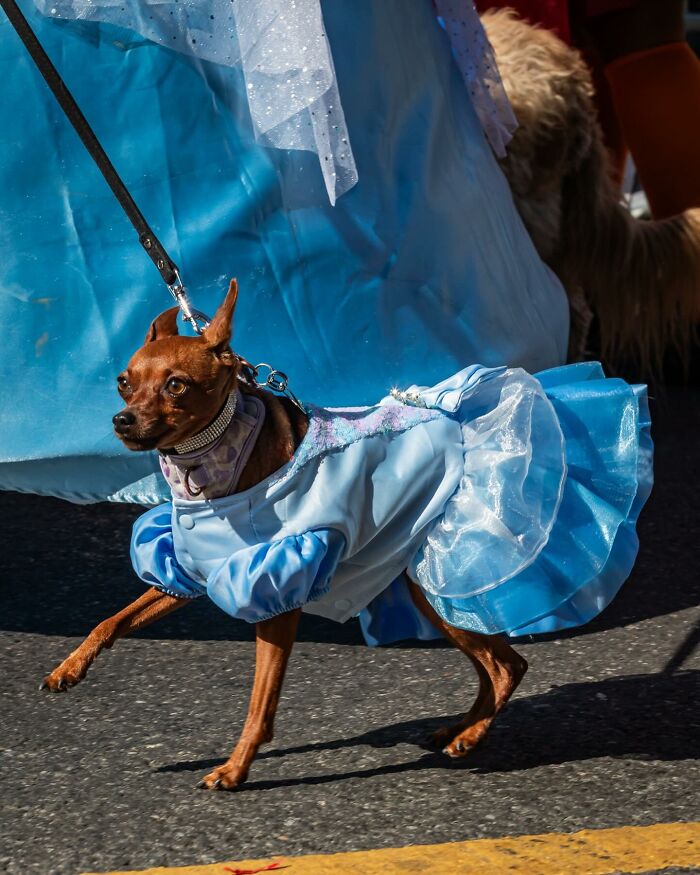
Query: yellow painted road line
point(589, 852)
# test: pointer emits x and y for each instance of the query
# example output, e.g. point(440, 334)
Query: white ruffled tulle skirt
point(540, 533)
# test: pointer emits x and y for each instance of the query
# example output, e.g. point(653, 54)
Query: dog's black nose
point(123, 420)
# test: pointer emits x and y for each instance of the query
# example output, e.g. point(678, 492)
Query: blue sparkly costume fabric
point(421, 266)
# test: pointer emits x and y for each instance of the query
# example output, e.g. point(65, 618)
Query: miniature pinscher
point(173, 388)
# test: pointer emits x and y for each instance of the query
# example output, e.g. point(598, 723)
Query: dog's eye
point(174, 386)
point(123, 383)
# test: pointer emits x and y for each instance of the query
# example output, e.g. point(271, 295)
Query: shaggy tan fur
point(641, 278)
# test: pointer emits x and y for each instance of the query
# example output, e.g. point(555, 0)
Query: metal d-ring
point(276, 380)
point(194, 491)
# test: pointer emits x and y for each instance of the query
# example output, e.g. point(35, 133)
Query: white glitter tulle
point(292, 89)
point(282, 49)
point(477, 64)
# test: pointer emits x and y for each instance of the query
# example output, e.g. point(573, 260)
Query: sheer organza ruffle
point(591, 543)
point(503, 511)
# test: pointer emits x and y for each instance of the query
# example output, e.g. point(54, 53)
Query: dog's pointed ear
point(164, 325)
point(218, 333)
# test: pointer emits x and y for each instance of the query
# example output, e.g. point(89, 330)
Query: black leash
point(151, 244)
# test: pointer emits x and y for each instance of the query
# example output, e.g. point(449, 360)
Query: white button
point(186, 521)
point(343, 604)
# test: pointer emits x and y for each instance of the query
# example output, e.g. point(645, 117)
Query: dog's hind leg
point(274, 639)
point(151, 606)
point(500, 670)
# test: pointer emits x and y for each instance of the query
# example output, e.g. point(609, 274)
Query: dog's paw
point(464, 742)
point(458, 748)
point(225, 777)
point(62, 678)
point(458, 740)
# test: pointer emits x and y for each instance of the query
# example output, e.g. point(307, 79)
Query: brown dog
point(174, 387)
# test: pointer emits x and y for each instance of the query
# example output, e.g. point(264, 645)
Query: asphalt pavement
point(604, 731)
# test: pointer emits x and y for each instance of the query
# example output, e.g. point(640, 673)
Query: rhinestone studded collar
point(213, 431)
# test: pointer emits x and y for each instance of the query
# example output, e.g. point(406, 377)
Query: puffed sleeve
point(153, 554)
point(260, 582)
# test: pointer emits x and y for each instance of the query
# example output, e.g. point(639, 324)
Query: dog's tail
point(640, 278)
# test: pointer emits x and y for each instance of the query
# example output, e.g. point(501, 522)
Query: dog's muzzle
point(123, 421)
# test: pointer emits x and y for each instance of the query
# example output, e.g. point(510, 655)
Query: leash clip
point(276, 380)
point(198, 320)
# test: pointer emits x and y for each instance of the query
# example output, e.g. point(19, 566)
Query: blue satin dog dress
point(511, 499)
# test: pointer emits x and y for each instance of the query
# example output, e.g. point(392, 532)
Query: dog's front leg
point(274, 639)
point(151, 606)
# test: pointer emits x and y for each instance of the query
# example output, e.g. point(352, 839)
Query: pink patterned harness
point(213, 471)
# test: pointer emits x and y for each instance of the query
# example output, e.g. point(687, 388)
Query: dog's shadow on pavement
point(642, 717)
